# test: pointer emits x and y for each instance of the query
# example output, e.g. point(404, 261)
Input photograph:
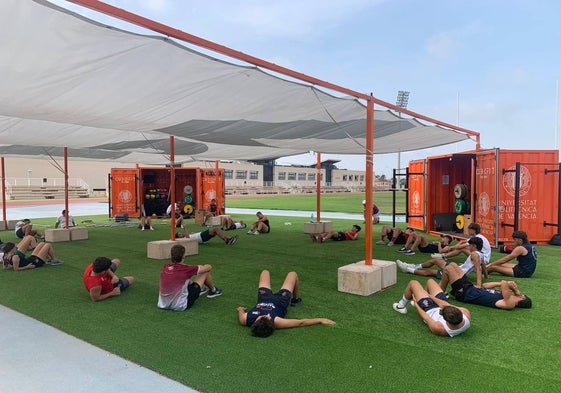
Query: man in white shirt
point(61, 221)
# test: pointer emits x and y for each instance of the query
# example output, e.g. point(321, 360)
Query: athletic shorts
point(19, 233)
point(521, 272)
point(281, 298)
point(194, 291)
point(123, 283)
point(427, 304)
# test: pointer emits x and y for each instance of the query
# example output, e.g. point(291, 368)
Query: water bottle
point(312, 219)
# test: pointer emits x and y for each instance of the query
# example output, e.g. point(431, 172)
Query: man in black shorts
point(271, 308)
point(337, 236)
point(394, 235)
point(504, 294)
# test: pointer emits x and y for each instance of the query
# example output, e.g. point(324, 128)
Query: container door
point(485, 203)
point(416, 196)
point(124, 192)
point(212, 187)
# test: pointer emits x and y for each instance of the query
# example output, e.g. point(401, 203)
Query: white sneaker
point(380, 242)
point(437, 255)
point(401, 265)
point(151, 228)
point(250, 232)
point(401, 310)
point(142, 228)
point(256, 233)
point(390, 244)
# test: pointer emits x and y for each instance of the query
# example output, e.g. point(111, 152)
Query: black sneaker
point(214, 293)
point(409, 252)
point(232, 240)
point(204, 290)
point(296, 302)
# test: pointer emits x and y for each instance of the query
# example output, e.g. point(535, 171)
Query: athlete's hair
point(264, 327)
point(520, 235)
point(177, 253)
point(101, 264)
point(524, 303)
point(452, 314)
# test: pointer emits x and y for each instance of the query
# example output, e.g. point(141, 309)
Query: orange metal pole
point(318, 186)
point(369, 180)
point(172, 183)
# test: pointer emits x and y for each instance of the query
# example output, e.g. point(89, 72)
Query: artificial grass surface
point(207, 349)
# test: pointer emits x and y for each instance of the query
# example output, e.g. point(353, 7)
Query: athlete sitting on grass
point(271, 308)
point(101, 281)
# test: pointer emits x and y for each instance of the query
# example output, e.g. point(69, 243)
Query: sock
point(403, 302)
point(418, 266)
point(410, 268)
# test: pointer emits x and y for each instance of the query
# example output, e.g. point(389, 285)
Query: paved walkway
point(37, 358)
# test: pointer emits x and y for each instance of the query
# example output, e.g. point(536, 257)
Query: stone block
point(78, 233)
point(359, 279)
point(191, 246)
point(8, 224)
point(213, 221)
point(327, 226)
point(57, 235)
point(389, 272)
point(313, 227)
point(161, 249)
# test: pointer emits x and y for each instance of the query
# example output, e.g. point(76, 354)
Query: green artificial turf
point(370, 349)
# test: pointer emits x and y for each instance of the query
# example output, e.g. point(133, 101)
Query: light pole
point(401, 101)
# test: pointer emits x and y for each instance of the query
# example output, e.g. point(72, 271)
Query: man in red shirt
point(177, 291)
point(338, 236)
point(101, 281)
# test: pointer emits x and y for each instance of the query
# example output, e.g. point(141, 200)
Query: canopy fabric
point(108, 94)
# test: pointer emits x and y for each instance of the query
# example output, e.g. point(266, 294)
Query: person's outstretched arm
point(282, 323)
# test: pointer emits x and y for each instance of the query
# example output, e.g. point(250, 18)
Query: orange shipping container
point(483, 187)
point(133, 188)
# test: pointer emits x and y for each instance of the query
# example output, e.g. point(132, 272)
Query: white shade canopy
point(107, 94)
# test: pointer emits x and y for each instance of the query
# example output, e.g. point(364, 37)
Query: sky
point(491, 66)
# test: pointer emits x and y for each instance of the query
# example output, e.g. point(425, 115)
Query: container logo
point(483, 204)
point(125, 196)
point(210, 194)
point(416, 200)
point(509, 181)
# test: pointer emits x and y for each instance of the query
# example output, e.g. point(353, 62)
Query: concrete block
point(327, 226)
point(57, 235)
point(213, 221)
point(191, 246)
point(389, 272)
point(313, 227)
point(8, 224)
point(161, 249)
point(359, 279)
point(78, 233)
